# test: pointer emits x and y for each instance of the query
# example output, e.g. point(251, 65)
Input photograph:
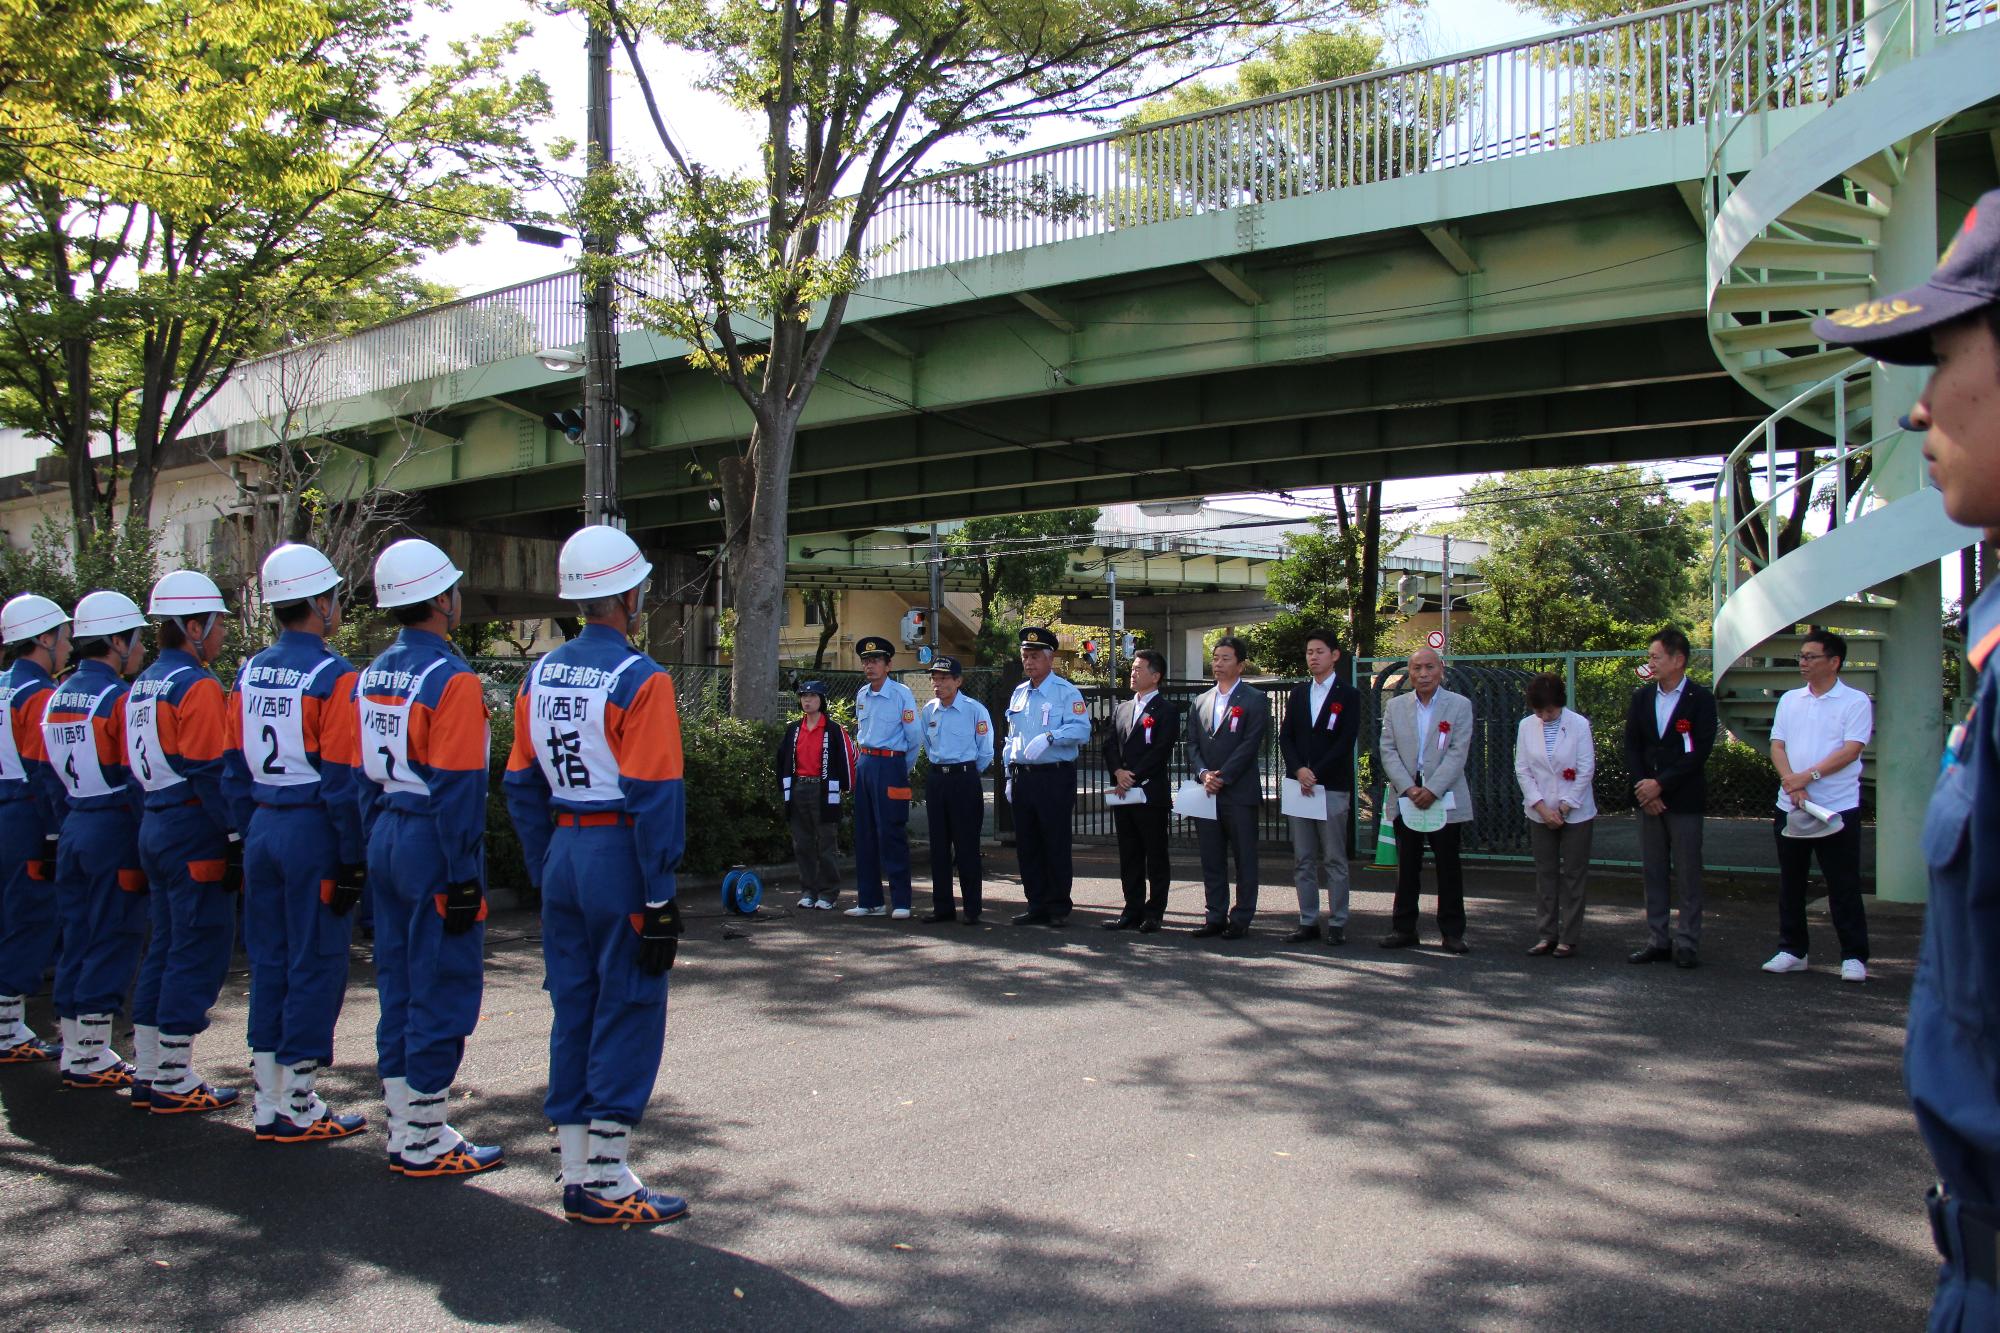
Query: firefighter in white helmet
point(36, 633)
point(291, 780)
point(176, 732)
point(424, 746)
point(594, 788)
point(103, 898)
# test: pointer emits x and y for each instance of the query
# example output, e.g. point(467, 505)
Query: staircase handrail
point(1729, 523)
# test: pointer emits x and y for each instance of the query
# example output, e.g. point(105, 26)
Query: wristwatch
point(1814, 775)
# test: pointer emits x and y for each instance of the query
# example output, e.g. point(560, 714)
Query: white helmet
point(294, 572)
point(411, 571)
point(600, 561)
point(184, 592)
point(27, 615)
point(104, 612)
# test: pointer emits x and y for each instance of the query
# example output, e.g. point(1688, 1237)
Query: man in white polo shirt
point(1816, 745)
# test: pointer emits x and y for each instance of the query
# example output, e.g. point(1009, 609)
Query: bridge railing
point(1589, 84)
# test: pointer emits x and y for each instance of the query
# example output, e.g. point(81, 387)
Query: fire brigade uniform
point(31, 811)
point(176, 730)
point(100, 889)
point(291, 780)
point(594, 788)
point(424, 745)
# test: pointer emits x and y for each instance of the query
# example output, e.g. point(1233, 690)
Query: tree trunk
point(829, 625)
point(1370, 593)
point(756, 497)
point(76, 440)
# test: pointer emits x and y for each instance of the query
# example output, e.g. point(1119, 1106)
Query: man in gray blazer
point(1225, 740)
point(1426, 736)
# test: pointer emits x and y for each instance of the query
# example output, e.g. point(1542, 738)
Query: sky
point(729, 139)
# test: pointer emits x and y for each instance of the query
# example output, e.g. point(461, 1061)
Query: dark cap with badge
point(874, 645)
point(946, 666)
point(1034, 636)
point(1966, 281)
point(811, 687)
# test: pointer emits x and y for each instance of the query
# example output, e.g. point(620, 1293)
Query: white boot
point(396, 1097)
point(270, 1087)
point(431, 1135)
point(70, 1037)
point(610, 1177)
point(175, 1064)
point(93, 1043)
point(14, 1027)
point(301, 1104)
point(573, 1141)
point(145, 1054)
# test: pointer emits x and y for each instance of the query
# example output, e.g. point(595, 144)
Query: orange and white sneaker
point(110, 1078)
point(467, 1159)
point(326, 1129)
point(200, 1098)
point(33, 1051)
point(646, 1208)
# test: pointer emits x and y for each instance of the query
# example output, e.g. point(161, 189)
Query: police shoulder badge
point(980, 728)
point(1079, 708)
point(909, 715)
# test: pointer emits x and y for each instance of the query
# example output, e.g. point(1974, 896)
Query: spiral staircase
point(1795, 236)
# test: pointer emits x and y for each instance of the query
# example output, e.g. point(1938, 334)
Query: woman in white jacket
point(1555, 760)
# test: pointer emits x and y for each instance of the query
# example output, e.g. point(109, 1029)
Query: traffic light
point(912, 627)
point(569, 420)
point(1090, 651)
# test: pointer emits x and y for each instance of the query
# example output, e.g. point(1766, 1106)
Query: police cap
point(947, 666)
point(1034, 636)
point(874, 645)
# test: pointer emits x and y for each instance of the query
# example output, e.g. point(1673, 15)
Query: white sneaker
point(1785, 962)
point(1853, 969)
point(806, 902)
point(900, 914)
point(823, 905)
point(868, 911)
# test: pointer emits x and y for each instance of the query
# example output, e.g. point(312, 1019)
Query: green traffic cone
point(1385, 837)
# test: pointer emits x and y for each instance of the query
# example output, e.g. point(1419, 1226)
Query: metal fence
point(1742, 784)
point(1665, 68)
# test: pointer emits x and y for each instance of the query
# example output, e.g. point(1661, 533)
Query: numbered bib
point(385, 739)
point(11, 769)
point(567, 717)
point(144, 755)
point(73, 750)
point(274, 731)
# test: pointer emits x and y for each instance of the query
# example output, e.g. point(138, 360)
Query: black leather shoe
point(1235, 930)
point(1336, 936)
point(1397, 940)
point(1149, 926)
point(1208, 929)
point(1453, 944)
point(1652, 953)
point(1303, 933)
point(1032, 919)
point(1119, 923)
point(935, 917)
point(1686, 958)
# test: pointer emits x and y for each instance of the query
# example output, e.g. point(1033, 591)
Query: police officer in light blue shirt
point(958, 742)
point(1047, 722)
point(887, 734)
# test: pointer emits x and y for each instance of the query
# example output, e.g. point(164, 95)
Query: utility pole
point(1117, 623)
point(1446, 626)
point(600, 344)
point(937, 588)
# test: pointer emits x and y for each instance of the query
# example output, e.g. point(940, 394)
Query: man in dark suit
point(1316, 738)
point(1138, 751)
point(1669, 730)
point(1225, 733)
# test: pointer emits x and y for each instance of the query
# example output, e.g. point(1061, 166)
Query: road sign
point(1117, 614)
point(1645, 671)
point(1436, 640)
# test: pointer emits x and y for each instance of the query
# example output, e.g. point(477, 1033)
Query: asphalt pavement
point(888, 1125)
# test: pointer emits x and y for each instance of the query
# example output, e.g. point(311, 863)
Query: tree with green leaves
point(1581, 559)
point(1013, 559)
point(854, 100)
point(1314, 584)
point(187, 183)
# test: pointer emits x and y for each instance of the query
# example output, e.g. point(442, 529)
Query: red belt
point(564, 819)
point(880, 754)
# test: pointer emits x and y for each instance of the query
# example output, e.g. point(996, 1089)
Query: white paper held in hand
point(1293, 801)
point(1421, 821)
point(1192, 799)
point(1131, 796)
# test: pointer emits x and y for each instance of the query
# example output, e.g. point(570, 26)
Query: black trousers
point(955, 804)
point(1840, 863)
point(1142, 857)
point(1409, 880)
point(1231, 834)
point(1044, 797)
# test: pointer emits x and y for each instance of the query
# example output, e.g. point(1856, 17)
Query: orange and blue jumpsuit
point(100, 889)
point(424, 745)
point(176, 732)
point(597, 755)
point(290, 777)
point(31, 811)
